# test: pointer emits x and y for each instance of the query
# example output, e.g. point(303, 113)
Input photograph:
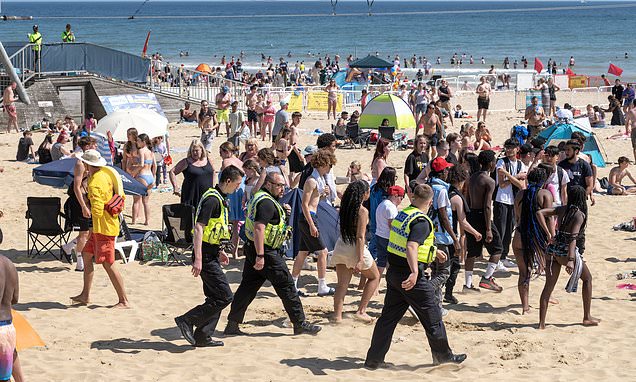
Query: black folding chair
point(357, 137)
point(45, 230)
point(178, 221)
point(386, 132)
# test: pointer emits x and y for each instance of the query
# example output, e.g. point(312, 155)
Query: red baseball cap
point(439, 164)
point(396, 191)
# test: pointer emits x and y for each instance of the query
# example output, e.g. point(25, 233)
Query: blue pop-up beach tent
point(327, 221)
point(59, 173)
point(562, 132)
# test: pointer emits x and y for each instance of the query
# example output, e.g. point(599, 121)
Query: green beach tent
point(387, 106)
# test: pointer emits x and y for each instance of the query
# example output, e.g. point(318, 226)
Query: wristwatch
point(261, 255)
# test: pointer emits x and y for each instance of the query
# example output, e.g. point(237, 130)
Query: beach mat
point(27, 337)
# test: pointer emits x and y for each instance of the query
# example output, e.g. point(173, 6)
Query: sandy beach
point(95, 343)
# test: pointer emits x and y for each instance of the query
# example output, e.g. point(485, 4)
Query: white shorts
point(346, 254)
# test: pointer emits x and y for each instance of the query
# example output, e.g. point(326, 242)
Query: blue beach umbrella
point(59, 173)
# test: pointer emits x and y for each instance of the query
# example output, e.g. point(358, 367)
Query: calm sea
point(594, 33)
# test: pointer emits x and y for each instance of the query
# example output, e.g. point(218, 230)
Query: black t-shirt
point(617, 91)
point(210, 208)
point(452, 158)
point(267, 213)
point(420, 229)
point(443, 90)
point(23, 148)
point(577, 172)
point(415, 164)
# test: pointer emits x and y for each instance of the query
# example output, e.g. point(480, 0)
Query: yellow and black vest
point(36, 38)
point(275, 235)
point(217, 229)
point(400, 229)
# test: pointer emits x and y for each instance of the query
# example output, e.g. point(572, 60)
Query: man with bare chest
point(479, 197)
point(8, 99)
point(431, 126)
point(252, 114)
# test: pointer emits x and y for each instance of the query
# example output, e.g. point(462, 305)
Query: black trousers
point(276, 272)
point(455, 266)
point(218, 295)
point(504, 219)
point(397, 300)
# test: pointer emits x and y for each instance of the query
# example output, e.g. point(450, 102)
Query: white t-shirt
point(565, 114)
point(554, 181)
point(385, 211)
point(504, 194)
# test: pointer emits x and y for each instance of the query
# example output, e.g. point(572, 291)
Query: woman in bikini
point(332, 98)
point(350, 253)
point(530, 241)
point(562, 251)
point(482, 137)
point(467, 133)
point(145, 174)
point(269, 113)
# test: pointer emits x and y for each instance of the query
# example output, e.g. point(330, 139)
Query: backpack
point(520, 133)
point(508, 169)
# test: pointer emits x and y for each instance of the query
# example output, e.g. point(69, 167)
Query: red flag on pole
point(538, 65)
point(569, 72)
point(615, 70)
point(144, 52)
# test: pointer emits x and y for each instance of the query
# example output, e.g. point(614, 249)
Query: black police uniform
point(217, 291)
point(422, 298)
point(275, 271)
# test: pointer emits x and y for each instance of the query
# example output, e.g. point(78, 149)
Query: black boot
point(186, 329)
point(232, 329)
point(453, 358)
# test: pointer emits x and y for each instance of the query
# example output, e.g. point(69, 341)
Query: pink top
point(90, 124)
point(268, 114)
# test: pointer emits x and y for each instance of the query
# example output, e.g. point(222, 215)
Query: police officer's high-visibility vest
point(275, 235)
point(400, 229)
point(68, 36)
point(36, 38)
point(217, 229)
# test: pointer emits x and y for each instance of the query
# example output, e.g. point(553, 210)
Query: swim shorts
point(421, 108)
point(477, 219)
point(432, 139)
point(11, 110)
point(223, 115)
point(483, 103)
point(7, 347)
point(252, 116)
point(307, 242)
point(102, 247)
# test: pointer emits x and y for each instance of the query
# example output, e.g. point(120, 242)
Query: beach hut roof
point(371, 62)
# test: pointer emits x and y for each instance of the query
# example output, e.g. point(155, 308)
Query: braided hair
point(533, 238)
point(577, 201)
point(349, 208)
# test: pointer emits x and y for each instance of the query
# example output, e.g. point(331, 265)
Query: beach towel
point(573, 282)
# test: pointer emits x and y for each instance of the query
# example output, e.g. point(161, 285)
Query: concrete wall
point(44, 103)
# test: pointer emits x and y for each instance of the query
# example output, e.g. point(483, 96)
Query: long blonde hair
point(197, 143)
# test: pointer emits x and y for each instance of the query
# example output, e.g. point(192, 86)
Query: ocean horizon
point(591, 32)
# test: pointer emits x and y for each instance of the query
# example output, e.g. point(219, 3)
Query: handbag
point(115, 205)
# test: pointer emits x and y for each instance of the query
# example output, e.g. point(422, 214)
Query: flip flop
point(330, 292)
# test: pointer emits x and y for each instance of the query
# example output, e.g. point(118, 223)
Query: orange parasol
point(204, 68)
point(26, 335)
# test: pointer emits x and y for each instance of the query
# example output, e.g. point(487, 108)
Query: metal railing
point(24, 64)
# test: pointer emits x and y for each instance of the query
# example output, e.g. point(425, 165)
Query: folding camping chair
point(387, 132)
point(357, 137)
point(45, 230)
point(125, 240)
point(178, 222)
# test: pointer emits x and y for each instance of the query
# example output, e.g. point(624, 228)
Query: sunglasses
point(277, 184)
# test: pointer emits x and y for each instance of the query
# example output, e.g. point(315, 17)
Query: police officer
point(211, 232)
point(411, 249)
point(35, 38)
point(68, 35)
point(266, 230)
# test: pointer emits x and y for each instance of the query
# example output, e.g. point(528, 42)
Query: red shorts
point(11, 110)
point(102, 247)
